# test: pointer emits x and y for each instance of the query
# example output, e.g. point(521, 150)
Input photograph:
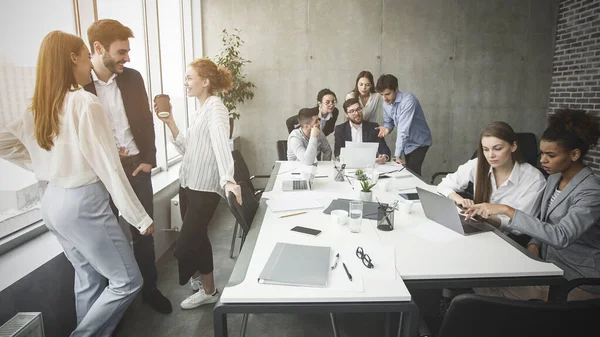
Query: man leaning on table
point(403, 110)
point(357, 130)
point(305, 142)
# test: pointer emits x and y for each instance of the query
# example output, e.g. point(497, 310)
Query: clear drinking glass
point(356, 212)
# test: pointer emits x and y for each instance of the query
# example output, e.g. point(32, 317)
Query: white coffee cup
point(339, 217)
point(405, 206)
point(383, 185)
point(374, 176)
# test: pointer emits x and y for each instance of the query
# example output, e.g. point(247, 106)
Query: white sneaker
point(199, 299)
point(195, 283)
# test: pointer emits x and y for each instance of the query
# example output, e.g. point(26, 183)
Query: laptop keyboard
point(300, 185)
point(469, 226)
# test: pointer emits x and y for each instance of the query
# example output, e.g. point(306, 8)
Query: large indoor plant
point(231, 59)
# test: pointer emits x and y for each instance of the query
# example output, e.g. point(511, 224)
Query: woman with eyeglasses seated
point(370, 101)
point(498, 174)
point(328, 113)
point(568, 230)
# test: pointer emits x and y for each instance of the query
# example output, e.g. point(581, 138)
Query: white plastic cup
point(383, 185)
point(405, 206)
point(339, 217)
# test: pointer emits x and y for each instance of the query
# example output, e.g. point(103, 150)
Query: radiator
point(24, 324)
point(175, 214)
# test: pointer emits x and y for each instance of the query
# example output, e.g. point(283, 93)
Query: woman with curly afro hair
point(567, 232)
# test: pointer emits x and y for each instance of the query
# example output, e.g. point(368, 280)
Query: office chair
point(282, 150)
point(471, 315)
point(528, 145)
point(291, 123)
point(242, 175)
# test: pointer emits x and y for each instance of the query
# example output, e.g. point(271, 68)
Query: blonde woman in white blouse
point(498, 174)
point(67, 140)
point(206, 176)
point(370, 101)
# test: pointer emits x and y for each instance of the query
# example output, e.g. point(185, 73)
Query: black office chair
point(282, 150)
point(292, 123)
point(528, 145)
point(471, 315)
point(242, 175)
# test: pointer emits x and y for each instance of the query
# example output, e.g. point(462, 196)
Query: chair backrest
point(282, 150)
point(471, 315)
point(241, 171)
point(244, 213)
point(528, 145)
point(291, 123)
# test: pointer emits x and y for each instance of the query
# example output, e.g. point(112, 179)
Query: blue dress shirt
point(406, 113)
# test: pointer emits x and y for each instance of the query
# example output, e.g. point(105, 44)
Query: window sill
point(27, 256)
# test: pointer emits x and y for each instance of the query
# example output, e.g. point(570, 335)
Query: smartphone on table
point(306, 230)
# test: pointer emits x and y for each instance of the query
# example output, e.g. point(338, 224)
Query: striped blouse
point(207, 163)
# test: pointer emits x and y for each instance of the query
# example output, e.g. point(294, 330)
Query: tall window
point(24, 24)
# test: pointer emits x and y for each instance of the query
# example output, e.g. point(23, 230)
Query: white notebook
point(297, 265)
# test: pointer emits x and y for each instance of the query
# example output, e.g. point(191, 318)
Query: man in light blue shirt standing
point(403, 110)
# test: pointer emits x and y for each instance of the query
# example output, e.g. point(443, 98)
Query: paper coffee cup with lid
point(162, 104)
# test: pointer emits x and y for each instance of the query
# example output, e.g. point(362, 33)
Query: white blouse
point(522, 190)
point(83, 153)
point(207, 163)
point(373, 110)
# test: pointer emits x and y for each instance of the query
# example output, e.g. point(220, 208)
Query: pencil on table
point(285, 216)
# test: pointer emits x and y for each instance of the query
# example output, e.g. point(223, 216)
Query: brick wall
point(576, 70)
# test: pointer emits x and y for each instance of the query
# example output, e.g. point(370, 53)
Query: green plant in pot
point(231, 59)
point(365, 192)
point(360, 175)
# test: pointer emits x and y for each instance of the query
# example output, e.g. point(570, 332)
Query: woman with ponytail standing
point(206, 176)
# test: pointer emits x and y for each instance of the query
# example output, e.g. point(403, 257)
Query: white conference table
point(427, 255)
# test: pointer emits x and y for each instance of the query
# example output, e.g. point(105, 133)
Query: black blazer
point(369, 135)
point(137, 109)
point(292, 123)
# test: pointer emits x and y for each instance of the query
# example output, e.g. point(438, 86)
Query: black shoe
point(157, 301)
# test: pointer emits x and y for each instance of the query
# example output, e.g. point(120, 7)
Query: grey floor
point(140, 320)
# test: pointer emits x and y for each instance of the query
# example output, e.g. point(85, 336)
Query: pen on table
point(335, 262)
point(347, 272)
point(285, 216)
point(349, 182)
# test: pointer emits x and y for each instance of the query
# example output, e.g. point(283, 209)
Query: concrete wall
point(469, 62)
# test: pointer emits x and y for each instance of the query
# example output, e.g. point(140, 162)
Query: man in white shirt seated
point(355, 129)
point(305, 142)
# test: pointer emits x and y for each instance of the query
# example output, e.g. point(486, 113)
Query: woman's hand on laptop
point(486, 210)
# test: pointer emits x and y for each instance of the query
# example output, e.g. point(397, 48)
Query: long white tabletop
point(381, 284)
point(425, 249)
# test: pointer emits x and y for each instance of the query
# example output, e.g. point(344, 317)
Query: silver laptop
point(359, 155)
point(443, 211)
point(300, 183)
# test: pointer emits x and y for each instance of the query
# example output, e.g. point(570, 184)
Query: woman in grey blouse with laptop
point(206, 176)
point(568, 231)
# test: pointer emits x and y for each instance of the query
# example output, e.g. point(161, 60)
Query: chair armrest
point(260, 177)
point(563, 292)
point(435, 175)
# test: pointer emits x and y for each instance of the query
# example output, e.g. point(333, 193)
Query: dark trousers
point(193, 249)
point(414, 160)
point(143, 245)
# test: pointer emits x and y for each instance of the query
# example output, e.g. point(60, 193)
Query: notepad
point(297, 265)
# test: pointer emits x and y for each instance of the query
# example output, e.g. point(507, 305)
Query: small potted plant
point(360, 175)
point(365, 192)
